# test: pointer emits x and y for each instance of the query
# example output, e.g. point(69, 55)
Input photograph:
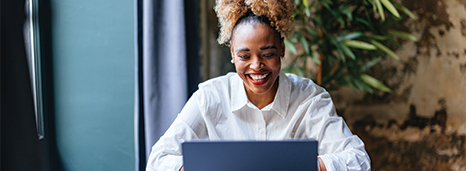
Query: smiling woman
point(259, 101)
point(257, 55)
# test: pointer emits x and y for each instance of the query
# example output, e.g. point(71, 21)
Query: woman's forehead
point(254, 33)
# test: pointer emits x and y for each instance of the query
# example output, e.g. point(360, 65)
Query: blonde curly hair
point(277, 12)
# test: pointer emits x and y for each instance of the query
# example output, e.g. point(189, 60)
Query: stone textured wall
point(421, 125)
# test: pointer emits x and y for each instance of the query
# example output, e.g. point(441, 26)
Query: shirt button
point(261, 131)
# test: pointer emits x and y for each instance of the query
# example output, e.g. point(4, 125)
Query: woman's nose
point(256, 63)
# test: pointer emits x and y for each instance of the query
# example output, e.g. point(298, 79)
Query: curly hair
point(277, 12)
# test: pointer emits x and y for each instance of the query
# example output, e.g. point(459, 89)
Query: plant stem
point(321, 58)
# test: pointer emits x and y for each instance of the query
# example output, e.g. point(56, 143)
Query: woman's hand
point(321, 165)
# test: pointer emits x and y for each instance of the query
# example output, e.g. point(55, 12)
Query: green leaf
point(360, 84)
point(340, 20)
point(326, 4)
point(338, 48)
point(398, 45)
point(347, 11)
point(310, 32)
point(290, 46)
point(370, 64)
point(305, 3)
point(402, 35)
point(299, 71)
point(378, 37)
point(345, 81)
point(361, 20)
point(385, 49)
point(307, 10)
point(335, 76)
point(365, 86)
point(349, 36)
point(406, 11)
point(287, 69)
point(315, 59)
point(348, 51)
point(380, 9)
point(305, 45)
point(375, 83)
point(340, 53)
point(359, 44)
point(304, 72)
point(390, 7)
point(374, 7)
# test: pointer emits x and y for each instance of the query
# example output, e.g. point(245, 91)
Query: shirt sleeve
point(339, 149)
point(189, 124)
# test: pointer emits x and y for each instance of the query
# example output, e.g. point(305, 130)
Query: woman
point(260, 102)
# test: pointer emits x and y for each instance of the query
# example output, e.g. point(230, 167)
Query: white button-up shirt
point(220, 110)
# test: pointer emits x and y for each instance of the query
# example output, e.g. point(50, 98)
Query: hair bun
point(279, 12)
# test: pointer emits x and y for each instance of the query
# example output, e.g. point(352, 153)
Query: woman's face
point(256, 50)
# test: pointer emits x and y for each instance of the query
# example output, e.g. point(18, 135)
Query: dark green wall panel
point(93, 63)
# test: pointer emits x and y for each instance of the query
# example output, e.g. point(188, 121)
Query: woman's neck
point(262, 100)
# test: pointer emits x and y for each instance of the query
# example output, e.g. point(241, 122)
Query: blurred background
point(92, 84)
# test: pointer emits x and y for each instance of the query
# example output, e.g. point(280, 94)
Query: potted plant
point(345, 38)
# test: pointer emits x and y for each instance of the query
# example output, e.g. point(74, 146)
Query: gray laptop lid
point(296, 155)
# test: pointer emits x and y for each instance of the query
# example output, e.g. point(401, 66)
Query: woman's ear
point(282, 43)
point(232, 51)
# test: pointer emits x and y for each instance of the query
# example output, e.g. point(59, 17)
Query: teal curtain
point(167, 67)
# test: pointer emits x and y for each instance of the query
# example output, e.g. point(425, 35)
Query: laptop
point(293, 155)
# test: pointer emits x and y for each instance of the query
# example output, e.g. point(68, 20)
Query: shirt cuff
point(327, 162)
point(178, 164)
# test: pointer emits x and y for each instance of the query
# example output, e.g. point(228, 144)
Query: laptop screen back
point(296, 155)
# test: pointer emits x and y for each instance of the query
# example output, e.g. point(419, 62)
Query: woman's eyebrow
point(242, 49)
point(268, 47)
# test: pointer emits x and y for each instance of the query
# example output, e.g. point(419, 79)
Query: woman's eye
point(268, 55)
point(243, 56)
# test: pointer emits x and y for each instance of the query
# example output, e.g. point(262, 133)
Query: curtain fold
point(161, 85)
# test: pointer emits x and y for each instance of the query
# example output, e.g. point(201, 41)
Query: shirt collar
point(280, 103)
point(238, 93)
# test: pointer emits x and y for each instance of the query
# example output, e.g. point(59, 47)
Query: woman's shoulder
point(219, 87)
point(215, 93)
point(219, 82)
point(302, 83)
point(304, 86)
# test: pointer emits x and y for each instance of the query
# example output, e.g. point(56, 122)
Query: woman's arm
point(339, 149)
point(321, 165)
point(166, 153)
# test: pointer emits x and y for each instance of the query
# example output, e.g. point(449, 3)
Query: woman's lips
point(258, 79)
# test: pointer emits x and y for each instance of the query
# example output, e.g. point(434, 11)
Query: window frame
point(33, 49)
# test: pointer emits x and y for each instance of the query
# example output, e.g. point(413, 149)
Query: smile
point(258, 79)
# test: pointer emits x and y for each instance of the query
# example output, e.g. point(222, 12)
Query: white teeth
point(259, 77)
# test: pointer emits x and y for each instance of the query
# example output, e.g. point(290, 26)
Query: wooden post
point(321, 58)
